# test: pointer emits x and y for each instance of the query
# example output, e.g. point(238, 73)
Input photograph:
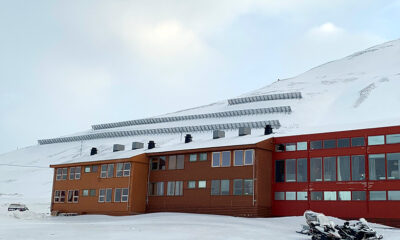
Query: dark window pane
point(302, 170)
point(239, 161)
point(315, 145)
point(330, 143)
point(117, 197)
point(393, 165)
point(357, 141)
point(110, 171)
point(290, 170)
point(343, 143)
point(224, 187)
point(237, 186)
point(248, 157)
point(358, 168)
point(330, 169)
point(279, 195)
point(376, 163)
point(203, 156)
point(377, 195)
point(248, 187)
point(393, 138)
point(279, 171)
point(161, 164)
point(343, 168)
point(108, 194)
point(216, 159)
point(94, 168)
point(226, 159)
point(215, 184)
point(316, 196)
point(316, 169)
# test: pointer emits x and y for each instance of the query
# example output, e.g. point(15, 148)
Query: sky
point(65, 65)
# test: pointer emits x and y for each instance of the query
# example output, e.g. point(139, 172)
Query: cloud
point(325, 30)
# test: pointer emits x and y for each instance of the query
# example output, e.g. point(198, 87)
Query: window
point(301, 146)
point(102, 194)
point(377, 195)
point(393, 165)
point(343, 168)
point(280, 171)
point(358, 196)
point(192, 157)
point(238, 158)
point(127, 169)
point(376, 140)
point(180, 161)
point(315, 145)
point(85, 192)
point(316, 169)
point(172, 162)
point(103, 172)
point(125, 195)
point(61, 173)
point(302, 196)
point(119, 171)
point(117, 195)
point(302, 170)
point(290, 147)
point(393, 138)
point(224, 187)
point(237, 186)
point(73, 196)
point(248, 157)
point(243, 187)
point(377, 168)
point(221, 159)
point(344, 195)
point(316, 196)
point(393, 195)
point(248, 187)
point(123, 169)
point(94, 168)
point(226, 159)
point(220, 187)
point(330, 196)
point(358, 168)
point(59, 196)
point(202, 184)
point(329, 168)
point(88, 169)
point(121, 195)
point(216, 159)
point(203, 157)
point(108, 194)
point(92, 192)
point(191, 184)
point(343, 143)
point(290, 195)
point(70, 195)
point(331, 143)
point(357, 142)
point(74, 173)
point(175, 188)
point(279, 196)
point(110, 170)
point(58, 174)
point(290, 170)
point(279, 148)
point(156, 189)
point(158, 163)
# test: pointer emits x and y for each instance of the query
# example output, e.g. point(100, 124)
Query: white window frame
point(123, 196)
point(234, 158)
point(244, 157)
point(117, 195)
point(105, 199)
point(127, 172)
point(103, 174)
point(219, 160)
point(58, 174)
point(119, 172)
point(102, 196)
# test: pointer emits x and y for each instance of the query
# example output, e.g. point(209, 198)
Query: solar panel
point(278, 96)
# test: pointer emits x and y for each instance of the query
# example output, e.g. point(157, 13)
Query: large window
point(343, 166)
point(180, 162)
point(237, 186)
point(376, 140)
point(358, 168)
point(280, 171)
point(376, 164)
point(110, 170)
point(242, 186)
point(220, 187)
point(315, 145)
point(393, 138)
point(61, 173)
point(377, 195)
point(121, 195)
point(290, 170)
point(343, 143)
point(73, 196)
point(221, 159)
point(331, 143)
point(158, 163)
point(103, 171)
point(102, 195)
point(393, 165)
point(74, 173)
point(108, 194)
point(316, 169)
point(330, 169)
point(156, 189)
point(119, 171)
point(175, 188)
point(357, 141)
point(59, 196)
point(302, 170)
point(123, 169)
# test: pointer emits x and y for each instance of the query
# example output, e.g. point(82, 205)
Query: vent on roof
point(243, 131)
point(151, 145)
point(93, 151)
point(118, 147)
point(188, 138)
point(267, 129)
point(218, 134)
point(137, 145)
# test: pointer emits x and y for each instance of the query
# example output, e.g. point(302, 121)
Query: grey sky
point(65, 65)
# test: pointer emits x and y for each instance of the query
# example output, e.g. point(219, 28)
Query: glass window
point(110, 170)
point(358, 168)
point(103, 173)
point(316, 169)
point(154, 164)
point(202, 184)
point(216, 159)
point(76, 196)
point(316, 196)
point(331, 143)
point(248, 187)
point(301, 146)
point(178, 188)
point(102, 194)
point(343, 143)
point(108, 194)
point(94, 168)
point(203, 156)
point(357, 141)
point(344, 195)
point(279, 148)
point(358, 196)
point(248, 157)
point(161, 163)
point(238, 161)
point(394, 195)
point(180, 162)
point(302, 170)
point(393, 138)
point(290, 195)
point(59, 174)
point(279, 195)
point(85, 193)
point(215, 187)
point(226, 159)
point(92, 192)
point(224, 187)
point(280, 171)
point(170, 188)
point(160, 189)
point(393, 165)
point(71, 173)
point(192, 157)
point(315, 145)
point(127, 169)
point(125, 195)
point(119, 172)
point(64, 173)
point(172, 162)
point(330, 169)
point(290, 170)
point(376, 164)
point(87, 169)
point(237, 186)
point(191, 184)
point(290, 147)
point(343, 167)
point(117, 195)
point(376, 140)
point(330, 196)
point(302, 196)
point(78, 172)
point(377, 195)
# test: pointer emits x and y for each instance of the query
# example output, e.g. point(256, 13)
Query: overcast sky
point(65, 65)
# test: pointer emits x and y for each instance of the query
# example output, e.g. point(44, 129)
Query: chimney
point(218, 134)
point(267, 130)
point(137, 145)
point(93, 151)
point(118, 147)
point(244, 131)
point(151, 145)
point(188, 138)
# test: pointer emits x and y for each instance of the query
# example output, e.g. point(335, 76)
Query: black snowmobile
point(358, 231)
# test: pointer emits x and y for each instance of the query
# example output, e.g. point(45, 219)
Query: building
point(347, 174)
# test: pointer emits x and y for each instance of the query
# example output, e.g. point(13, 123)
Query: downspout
point(254, 163)
point(129, 186)
point(148, 184)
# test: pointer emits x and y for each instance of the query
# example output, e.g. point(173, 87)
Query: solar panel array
point(278, 96)
point(281, 109)
point(186, 129)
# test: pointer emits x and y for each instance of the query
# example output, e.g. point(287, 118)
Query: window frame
point(379, 138)
point(194, 159)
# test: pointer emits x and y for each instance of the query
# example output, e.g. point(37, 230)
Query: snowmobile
point(358, 231)
point(319, 227)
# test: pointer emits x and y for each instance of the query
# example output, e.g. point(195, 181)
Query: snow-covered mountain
point(361, 90)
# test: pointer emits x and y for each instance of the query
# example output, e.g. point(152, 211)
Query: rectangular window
point(358, 196)
point(121, 195)
point(248, 157)
point(202, 184)
point(290, 195)
point(237, 186)
point(125, 195)
point(377, 167)
point(127, 169)
point(377, 195)
point(64, 173)
point(70, 196)
point(191, 184)
point(226, 159)
point(88, 169)
point(316, 196)
point(315, 145)
point(59, 174)
point(280, 171)
point(92, 192)
point(117, 195)
point(216, 156)
point(215, 187)
point(393, 195)
point(170, 188)
point(102, 195)
point(279, 195)
point(248, 187)
point(238, 158)
point(85, 192)
point(154, 163)
point(316, 169)
point(393, 138)
point(78, 172)
point(110, 170)
point(330, 169)
point(119, 172)
point(358, 168)
point(161, 163)
point(344, 195)
point(103, 172)
point(302, 170)
point(290, 147)
point(172, 162)
point(376, 140)
point(156, 189)
point(108, 194)
point(180, 162)
point(302, 196)
point(71, 173)
point(279, 148)
point(290, 170)
point(203, 156)
point(343, 143)
point(192, 157)
point(329, 144)
point(224, 187)
point(76, 196)
point(343, 167)
point(357, 142)
point(330, 196)
point(158, 163)
point(393, 165)
point(94, 168)
point(57, 195)
point(301, 146)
